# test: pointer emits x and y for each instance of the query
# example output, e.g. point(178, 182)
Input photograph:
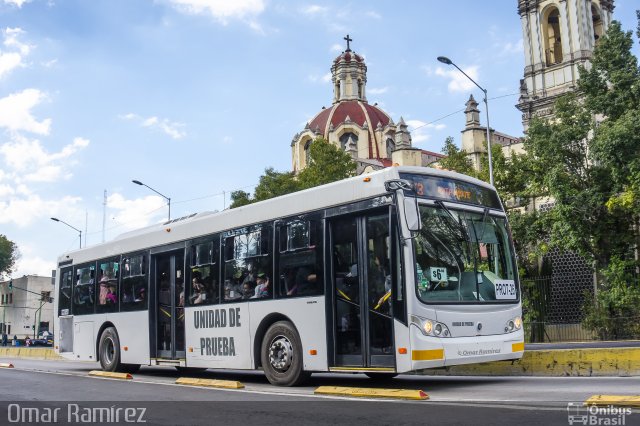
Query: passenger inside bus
point(263, 286)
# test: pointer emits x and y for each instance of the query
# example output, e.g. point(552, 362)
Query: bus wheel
point(281, 355)
point(381, 376)
point(109, 350)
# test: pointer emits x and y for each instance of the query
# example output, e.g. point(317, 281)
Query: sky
point(195, 98)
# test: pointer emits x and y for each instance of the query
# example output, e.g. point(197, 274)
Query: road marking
point(372, 392)
point(210, 383)
point(110, 375)
point(6, 365)
point(617, 400)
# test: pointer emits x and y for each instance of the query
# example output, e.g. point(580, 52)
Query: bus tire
point(281, 355)
point(381, 376)
point(109, 350)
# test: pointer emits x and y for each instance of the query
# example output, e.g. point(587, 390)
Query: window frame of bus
point(214, 267)
point(480, 192)
point(139, 305)
point(109, 308)
point(69, 304)
point(265, 250)
point(314, 244)
point(91, 285)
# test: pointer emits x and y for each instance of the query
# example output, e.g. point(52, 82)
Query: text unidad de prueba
point(217, 318)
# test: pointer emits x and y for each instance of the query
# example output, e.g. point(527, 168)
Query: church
point(365, 131)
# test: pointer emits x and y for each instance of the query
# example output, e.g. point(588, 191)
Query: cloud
point(15, 112)
point(17, 3)
point(458, 82)
point(314, 78)
point(373, 14)
point(378, 90)
point(222, 10)
point(511, 48)
point(14, 50)
point(33, 265)
point(314, 9)
point(138, 212)
point(24, 211)
point(336, 48)
point(29, 161)
point(171, 128)
point(420, 131)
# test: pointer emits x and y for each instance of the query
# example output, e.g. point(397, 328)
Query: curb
point(110, 375)
point(588, 362)
point(371, 392)
point(210, 383)
point(632, 401)
point(23, 352)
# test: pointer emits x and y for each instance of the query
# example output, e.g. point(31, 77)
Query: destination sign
point(447, 189)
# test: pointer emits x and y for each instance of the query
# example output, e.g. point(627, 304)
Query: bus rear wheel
point(281, 355)
point(109, 350)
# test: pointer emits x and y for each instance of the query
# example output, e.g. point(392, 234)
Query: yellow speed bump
point(372, 392)
point(110, 375)
point(616, 400)
point(5, 365)
point(210, 383)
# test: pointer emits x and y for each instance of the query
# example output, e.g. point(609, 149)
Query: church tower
point(558, 35)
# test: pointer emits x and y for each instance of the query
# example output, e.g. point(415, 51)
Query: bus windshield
point(464, 256)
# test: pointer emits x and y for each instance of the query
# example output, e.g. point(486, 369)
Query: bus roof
point(200, 224)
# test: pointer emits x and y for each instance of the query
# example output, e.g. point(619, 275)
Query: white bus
point(403, 269)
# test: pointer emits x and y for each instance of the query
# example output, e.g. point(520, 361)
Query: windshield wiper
point(459, 225)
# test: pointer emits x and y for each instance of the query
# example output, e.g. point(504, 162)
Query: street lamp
point(137, 182)
point(55, 219)
point(448, 61)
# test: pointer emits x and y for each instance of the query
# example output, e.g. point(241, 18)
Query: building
point(365, 131)
point(558, 36)
point(25, 306)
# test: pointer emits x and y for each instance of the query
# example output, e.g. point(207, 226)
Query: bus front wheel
point(281, 355)
point(109, 350)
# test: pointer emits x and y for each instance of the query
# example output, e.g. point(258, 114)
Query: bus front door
point(169, 281)
point(361, 287)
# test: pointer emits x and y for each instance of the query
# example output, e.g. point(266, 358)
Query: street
point(453, 400)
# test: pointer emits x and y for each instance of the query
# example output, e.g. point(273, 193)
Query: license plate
point(506, 290)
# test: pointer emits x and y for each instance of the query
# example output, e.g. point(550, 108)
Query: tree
point(327, 163)
point(589, 155)
point(457, 159)
point(9, 254)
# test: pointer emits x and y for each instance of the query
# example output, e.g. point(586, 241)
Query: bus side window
point(64, 300)
point(300, 261)
point(108, 286)
point(133, 291)
point(203, 287)
point(84, 290)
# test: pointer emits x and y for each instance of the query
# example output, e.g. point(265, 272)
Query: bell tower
point(558, 35)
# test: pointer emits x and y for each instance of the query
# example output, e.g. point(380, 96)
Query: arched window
point(597, 23)
point(344, 139)
point(553, 38)
point(391, 146)
point(307, 152)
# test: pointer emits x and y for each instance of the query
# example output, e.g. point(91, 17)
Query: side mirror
point(412, 214)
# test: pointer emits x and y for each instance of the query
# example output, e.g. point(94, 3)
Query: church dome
point(352, 111)
point(348, 56)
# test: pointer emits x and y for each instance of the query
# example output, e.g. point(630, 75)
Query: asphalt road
point(453, 400)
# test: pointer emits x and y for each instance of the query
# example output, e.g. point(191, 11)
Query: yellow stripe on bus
point(427, 355)
point(517, 347)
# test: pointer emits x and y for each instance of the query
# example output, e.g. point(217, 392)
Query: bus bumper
point(431, 352)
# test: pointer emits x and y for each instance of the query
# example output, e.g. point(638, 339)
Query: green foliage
point(327, 164)
point(457, 159)
point(9, 255)
point(587, 157)
point(614, 312)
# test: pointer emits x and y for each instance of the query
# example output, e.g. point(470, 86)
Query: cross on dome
point(348, 39)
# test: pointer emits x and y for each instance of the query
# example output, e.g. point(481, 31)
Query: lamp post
point(448, 61)
point(137, 182)
point(55, 219)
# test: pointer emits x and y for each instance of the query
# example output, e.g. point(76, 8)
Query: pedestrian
point(4, 339)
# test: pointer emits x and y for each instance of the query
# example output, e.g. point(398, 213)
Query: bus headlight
point(513, 325)
point(429, 327)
